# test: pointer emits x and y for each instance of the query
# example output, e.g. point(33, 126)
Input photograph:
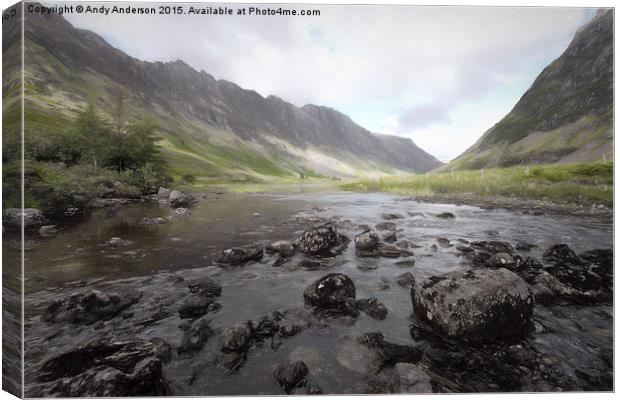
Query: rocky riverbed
point(318, 293)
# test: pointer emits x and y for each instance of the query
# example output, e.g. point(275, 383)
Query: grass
point(574, 183)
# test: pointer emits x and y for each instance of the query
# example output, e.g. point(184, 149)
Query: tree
point(93, 135)
point(120, 147)
point(143, 139)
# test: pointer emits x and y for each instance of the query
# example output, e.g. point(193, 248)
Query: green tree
point(143, 139)
point(93, 135)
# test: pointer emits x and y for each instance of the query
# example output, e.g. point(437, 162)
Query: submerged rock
point(386, 226)
point(390, 237)
point(409, 378)
point(181, 212)
point(239, 256)
point(322, 241)
point(237, 338)
point(118, 242)
point(406, 280)
point(477, 306)
point(390, 216)
point(372, 307)
point(88, 308)
point(106, 369)
point(108, 202)
point(197, 306)
point(32, 217)
point(333, 293)
point(493, 246)
point(163, 193)
point(153, 221)
point(205, 286)
point(391, 353)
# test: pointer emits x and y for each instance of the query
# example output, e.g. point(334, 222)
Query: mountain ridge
point(207, 114)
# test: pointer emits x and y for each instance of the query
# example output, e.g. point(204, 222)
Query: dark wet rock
point(291, 376)
point(197, 306)
point(446, 215)
point(239, 256)
point(491, 232)
point(391, 216)
point(373, 307)
point(179, 199)
point(602, 261)
point(561, 254)
point(32, 217)
point(118, 242)
point(104, 369)
point(47, 231)
point(292, 322)
point(548, 289)
point(367, 267)
point(284, 248)
point(237, 338)
point(367, 240)
point(89, 307)
point(493, 246)
point(205, 286)
point(163, 193)
point(180, 212)
point(108, 202)
point(465, 249)
point(386, 226)
point(500, 260)
point(405, 263)
point(477, 306)
point(322, 241)
point(390, 237)
point(434, 247)
point(524, 246)
point(195, 336)
point(409, 378)
point(333, 293)
point(390, 353)
point(403, 244)
point(406, 280)
point(153, 221)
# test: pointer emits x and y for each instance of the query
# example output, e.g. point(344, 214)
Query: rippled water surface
point(581, 337)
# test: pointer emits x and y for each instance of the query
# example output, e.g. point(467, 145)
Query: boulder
point(562, 254)
point(291, 376)
point(475, 306)
point(390, 237)
point(163, 193)
point(106, 369)
point(322, 241)
point(284, 248)
point(406, 280)
point(385, 250)
point(47, 231)
point(32, 217)
point(179, 199)
point(373, 308)
point(367, 240)
point(409, 378)
point(195, 337)
point(493, 246)
point(239, 256)
point(89, 307)
point(334, 293)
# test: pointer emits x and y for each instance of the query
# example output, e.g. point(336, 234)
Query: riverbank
point(583, 189)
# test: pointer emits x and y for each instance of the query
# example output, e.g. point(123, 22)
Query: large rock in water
point(32, 217)
point(106, 369)
point(238, 256)
point(333, 293)
point(180, 199)
point(322, 241)
point(475, 306)
point(409, 378)
point(367, 240)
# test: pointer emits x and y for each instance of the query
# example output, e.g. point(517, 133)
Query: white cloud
point(425, 62)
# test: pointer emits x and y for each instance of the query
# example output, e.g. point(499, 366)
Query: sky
point(441, 76)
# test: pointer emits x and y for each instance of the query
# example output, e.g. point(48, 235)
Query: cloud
point(417, 63)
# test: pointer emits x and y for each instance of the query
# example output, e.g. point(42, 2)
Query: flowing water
point(579, 337)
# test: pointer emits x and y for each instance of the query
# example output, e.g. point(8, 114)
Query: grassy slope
point(574, 183)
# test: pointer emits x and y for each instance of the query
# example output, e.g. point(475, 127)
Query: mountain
point(211, 128)
point(565, 116)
